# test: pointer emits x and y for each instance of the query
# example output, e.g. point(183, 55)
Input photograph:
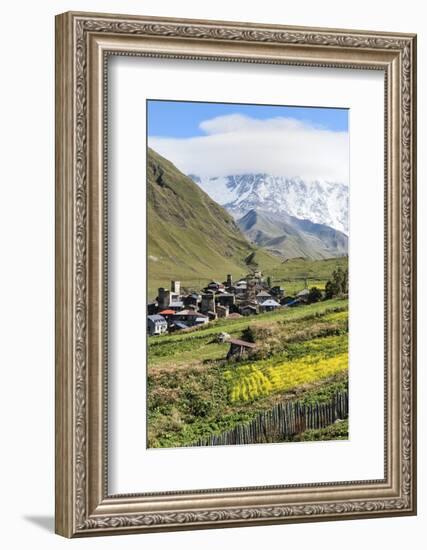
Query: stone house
point(222, 311)
point(156, 324)
point(263, 296)
point(190, 317)
point(247, 310)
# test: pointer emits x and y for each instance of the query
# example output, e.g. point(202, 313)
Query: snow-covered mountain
point(321, 202)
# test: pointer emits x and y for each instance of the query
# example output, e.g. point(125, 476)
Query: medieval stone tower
point(176, 287)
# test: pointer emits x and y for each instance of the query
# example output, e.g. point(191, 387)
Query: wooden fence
point(282, 421)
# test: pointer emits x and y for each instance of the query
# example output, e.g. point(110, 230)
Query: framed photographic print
point(235, 274)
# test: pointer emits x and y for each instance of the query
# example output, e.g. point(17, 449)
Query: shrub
point(315, 295)
point(338, 285)
point(197, 406)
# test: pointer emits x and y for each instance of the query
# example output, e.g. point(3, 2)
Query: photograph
point(235, 271)
point(247, 273)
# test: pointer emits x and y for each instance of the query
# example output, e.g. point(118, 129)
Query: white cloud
point(236, 144)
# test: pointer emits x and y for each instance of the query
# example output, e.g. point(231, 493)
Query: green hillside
point(190, 237)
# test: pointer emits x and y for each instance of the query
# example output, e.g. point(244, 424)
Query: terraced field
point(194, 392)
point(261, 379)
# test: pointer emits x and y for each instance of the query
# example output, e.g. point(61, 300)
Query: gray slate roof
point(181, 325)
point(189, 313)
point(156, 318)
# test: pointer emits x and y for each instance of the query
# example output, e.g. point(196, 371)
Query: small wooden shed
point(240, 348)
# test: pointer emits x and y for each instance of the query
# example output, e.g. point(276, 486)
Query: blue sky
point(181, 119)
point(220, 139)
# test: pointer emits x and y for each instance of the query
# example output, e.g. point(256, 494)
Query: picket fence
point(282, 421)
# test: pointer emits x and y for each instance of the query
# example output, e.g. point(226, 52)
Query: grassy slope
point(190, 237)
point(337, 431)
point(292, 274)
point(193, 392)
point(170, 350)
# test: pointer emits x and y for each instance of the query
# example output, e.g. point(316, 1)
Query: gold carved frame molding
point(83, 43)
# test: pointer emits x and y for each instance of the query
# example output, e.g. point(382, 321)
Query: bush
point(338, 285)
point(197, 406)
point(315, 295)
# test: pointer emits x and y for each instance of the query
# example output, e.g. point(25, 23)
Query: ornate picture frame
point(84, 42)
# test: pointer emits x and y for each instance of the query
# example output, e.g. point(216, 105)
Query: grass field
point(193, 391)
point(294, 274)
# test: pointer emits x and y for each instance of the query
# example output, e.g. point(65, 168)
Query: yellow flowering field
point(261, 378)
point(336, 316)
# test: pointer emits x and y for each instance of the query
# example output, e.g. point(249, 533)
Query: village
point(174, 310)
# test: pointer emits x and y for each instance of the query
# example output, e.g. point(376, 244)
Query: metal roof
point(155, 318)
point(270, 303)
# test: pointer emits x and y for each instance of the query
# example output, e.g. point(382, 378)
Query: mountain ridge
point(322, 202)
point(291, 237)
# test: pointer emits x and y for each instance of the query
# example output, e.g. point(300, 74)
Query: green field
point(293, 274)
point(193, 391)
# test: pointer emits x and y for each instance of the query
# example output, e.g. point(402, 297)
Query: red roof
point(167, 312)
